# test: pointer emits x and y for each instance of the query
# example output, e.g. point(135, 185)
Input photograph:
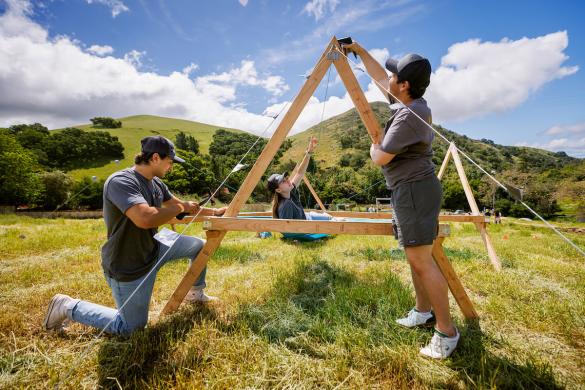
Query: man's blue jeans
point(134, 315)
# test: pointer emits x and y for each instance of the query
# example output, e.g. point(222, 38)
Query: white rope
point(92, 343)
point(468, 158)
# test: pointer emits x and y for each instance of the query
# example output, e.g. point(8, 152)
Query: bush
point(56, 189)
point(106, 122)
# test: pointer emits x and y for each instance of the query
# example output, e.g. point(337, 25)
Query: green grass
point(316, 315)
point(134, 128)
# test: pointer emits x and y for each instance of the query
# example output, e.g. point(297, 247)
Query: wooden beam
point(452, 280)
point(445, 162)
point(214, 238)
point(310, 187)
point(487, 242)
point(253, 176)
point(358, 98)
point(464, 182)
point(346, 214)
point(304, 226)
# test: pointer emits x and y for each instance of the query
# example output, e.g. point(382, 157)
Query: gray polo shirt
point(130, 251)
point(410, 139)
point(291, 208)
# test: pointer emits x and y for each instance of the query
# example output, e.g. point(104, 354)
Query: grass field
point(317, 315)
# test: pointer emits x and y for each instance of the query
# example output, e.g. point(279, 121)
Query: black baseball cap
point(412, 68)
point(275, 179)
point(160, 145)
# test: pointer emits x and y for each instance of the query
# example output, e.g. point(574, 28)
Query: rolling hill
point(134, 128)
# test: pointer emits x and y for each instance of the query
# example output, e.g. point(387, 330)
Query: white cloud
point(100, 50)
point(574, 146)
point(116, 6)
point(134, 58)
point(243, 3)
point(476, 78)
point(192, 67)
point(57, 82)
point(576, 128)
point(318, 8)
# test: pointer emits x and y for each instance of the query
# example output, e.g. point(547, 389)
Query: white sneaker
point(440, 346)
point(57, 312)
point(198, 295)
point(417, 318)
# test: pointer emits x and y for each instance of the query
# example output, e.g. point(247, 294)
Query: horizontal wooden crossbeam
point(348, 214)
point(302, 226)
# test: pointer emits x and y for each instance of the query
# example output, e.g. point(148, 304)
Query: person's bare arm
point(374, 69)
point(380, 157)
point(194, 208)
point(302, 167)
point(147, 217)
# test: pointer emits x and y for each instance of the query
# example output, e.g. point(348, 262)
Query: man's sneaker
point(57, 312)
point(440, 346)
point(416, 318)
point(198, 295)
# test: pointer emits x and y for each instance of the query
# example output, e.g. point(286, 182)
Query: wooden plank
point(386, 215)
point(252, 178)
point(359, 99)
point(481, 227)
point(214, 238)
point(452, 280)
point(346, 214)
point(464, 182)
point(445, 162)
point(310, 187)
point(304, 226)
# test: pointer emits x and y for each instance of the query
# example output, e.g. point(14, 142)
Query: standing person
point(136, 202)
point(498, 217)
point(405, 156)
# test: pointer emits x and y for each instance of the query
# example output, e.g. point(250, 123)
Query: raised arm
point(302, 167)
point(374, 69)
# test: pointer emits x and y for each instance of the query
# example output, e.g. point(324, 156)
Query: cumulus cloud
point(574, 129)
point(574, 146)
point(243, 3)
point(56, 82)
point(192, 67)
point(318, 8)
point(476, 78)
point(568, 138)
point(100, 50)
point(116, 6)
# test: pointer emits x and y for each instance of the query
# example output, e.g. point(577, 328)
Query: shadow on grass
point(318, 306)
point(140, 359)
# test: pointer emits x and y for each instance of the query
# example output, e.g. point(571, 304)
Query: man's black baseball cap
point(160, 145)
point(412, 68)
point(275, 179)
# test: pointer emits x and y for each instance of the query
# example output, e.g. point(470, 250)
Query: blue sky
point(508, 71)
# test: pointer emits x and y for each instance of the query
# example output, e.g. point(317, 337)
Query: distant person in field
point(498, 217)
point(405, 155)
point(136, 203)
point(286, 202)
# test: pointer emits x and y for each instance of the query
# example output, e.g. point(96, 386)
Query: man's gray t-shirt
point(130, 251)
point(410, 139)
point(291, 208)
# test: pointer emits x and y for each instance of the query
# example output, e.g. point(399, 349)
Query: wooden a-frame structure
point(217, 227)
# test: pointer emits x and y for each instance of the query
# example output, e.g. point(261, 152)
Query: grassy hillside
point(134, 128)
point(488, 154)
point(322, 316)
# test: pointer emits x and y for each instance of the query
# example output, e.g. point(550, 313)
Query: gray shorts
point(416, 211)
